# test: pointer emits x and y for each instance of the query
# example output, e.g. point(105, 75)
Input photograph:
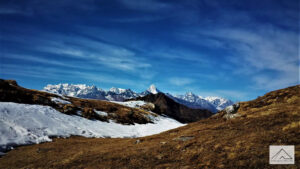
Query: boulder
point(231, 111)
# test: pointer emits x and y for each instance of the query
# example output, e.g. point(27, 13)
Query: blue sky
point(235, 49)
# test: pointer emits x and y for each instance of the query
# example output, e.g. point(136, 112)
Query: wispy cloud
point(146, 5)
point(264, 54)
point(120, 59)
point(180, 81)
point(182, 54)
point(13, 11)
point(102, 53)
point(105, 78)
point(273, 50)
point(36, 7)
point(275, 82)
point(140, 19)
point(64, 74)
point(33, 71)
point(232, 94)
point(78, 47)
point(39, 59)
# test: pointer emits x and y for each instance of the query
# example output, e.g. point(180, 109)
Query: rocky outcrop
point(231, 111)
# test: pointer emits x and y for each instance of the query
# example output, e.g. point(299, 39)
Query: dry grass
point(241, 142)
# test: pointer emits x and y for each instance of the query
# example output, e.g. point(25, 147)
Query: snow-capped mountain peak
point(152, 89)
point(191, 97)
point(117, 90)
point(219, 102)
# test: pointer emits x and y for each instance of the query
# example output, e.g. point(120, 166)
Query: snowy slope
point(27, 124)
point(58, 100)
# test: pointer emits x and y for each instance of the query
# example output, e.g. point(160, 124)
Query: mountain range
point(189, 99)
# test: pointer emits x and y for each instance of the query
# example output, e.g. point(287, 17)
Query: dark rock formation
point(167, 106)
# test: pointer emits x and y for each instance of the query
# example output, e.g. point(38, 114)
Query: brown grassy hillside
point(218, 142)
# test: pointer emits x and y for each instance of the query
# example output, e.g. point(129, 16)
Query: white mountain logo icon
point(281, 155)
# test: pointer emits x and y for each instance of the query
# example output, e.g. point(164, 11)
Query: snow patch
point(229, 109)
point(133, 104)
point(58, 100)
point(79, 113)
point(22, 124)
point(101, 113)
